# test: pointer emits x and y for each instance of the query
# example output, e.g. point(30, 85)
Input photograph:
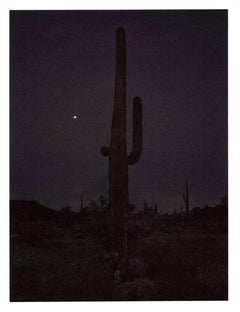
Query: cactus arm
point(105, 151)
point(137, 138)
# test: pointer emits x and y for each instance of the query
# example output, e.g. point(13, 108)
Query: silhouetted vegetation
point(186, 199)
point(61, 256)
point(117, 151)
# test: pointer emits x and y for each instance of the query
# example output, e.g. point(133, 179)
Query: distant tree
point(93, 204)
point(195, 211)
point(103, 202)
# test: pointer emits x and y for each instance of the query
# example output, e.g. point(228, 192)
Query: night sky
point(63, 64)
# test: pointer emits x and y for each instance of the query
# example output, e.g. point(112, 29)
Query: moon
point(74, 116)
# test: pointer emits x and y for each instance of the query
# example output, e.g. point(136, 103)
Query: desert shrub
point(172, 261)
point(212, 278)
point(220, 227)
point(136, 268)
point(75, 272)
point(35, 233)
point(139, 289)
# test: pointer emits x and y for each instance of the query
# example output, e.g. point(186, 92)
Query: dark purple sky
point(63, 64)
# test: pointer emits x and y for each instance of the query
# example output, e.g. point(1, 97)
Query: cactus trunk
point(117, 152)
point(186, 199)
point(81, 203)
point(118, 166)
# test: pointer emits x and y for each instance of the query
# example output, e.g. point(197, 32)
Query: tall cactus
point(81, 202)
point(117, 151)
point(186, 199)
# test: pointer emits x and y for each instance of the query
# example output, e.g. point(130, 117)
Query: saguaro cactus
point(81, 202)
point(144, 205)
point(117, 151)
point(185, 198)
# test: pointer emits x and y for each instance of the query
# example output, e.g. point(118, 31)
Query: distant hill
point(27, 210)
